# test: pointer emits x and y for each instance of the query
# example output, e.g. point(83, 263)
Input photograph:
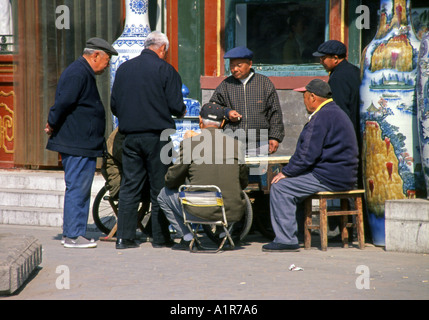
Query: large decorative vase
point(422, 91)
point(131, 43)
point(189, 123)
point(392, 168)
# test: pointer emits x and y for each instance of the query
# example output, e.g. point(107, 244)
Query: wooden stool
point(344, 212)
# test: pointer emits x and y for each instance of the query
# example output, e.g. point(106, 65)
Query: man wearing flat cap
point(207, 165)
point(251, 103)
point(344, 78)
point(325, 159)
point(76, 126)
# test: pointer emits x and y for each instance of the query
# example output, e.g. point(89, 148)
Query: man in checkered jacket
point(251, 103)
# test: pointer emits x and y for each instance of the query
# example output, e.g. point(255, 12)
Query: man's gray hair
point(157, 39)
point(89, 52)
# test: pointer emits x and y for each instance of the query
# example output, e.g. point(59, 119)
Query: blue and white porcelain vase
point(422, 92)
point(131, 43)
point(190, 122)
point(392, 168)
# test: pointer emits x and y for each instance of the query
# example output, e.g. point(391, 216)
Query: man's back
point(327, 147)
point(146, 92)
point(345, 83)
point(212, 158)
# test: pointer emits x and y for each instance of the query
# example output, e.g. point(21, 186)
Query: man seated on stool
point(326, 159)
point(210, 158)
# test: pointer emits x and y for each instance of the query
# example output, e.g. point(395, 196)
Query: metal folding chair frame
point(217, 195)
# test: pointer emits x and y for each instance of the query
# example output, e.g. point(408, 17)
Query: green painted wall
point(191, 45)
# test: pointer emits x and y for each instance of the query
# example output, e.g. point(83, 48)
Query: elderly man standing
point(326, 159)
point(76, 125)
point(344, 78)
point(251, 103)
point(147, 91)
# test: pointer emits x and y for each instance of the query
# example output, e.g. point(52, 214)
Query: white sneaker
point(79, 242)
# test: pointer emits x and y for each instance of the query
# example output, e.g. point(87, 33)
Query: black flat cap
point(100, 44)
point(318, 87)
point(331, 47)
point(212, 111)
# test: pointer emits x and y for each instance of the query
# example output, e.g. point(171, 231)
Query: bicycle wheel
point(240, 229)
point(104, 211)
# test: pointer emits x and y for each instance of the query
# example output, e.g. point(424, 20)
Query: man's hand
point(48, 129)
point(278, 177)
point(274, 145)
point(234, 116)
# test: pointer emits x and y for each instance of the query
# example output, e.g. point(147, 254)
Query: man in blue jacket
point(325, 159)
point(147, 91)
point(76, 125)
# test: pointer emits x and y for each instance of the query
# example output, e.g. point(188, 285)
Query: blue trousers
point(286, 205)
point(78, 175)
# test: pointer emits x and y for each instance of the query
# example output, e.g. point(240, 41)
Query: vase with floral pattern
point(131, 42)
point(422, 92)
point(392, 168)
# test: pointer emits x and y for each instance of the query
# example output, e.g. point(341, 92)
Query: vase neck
point(394, 12)
point(137, 12)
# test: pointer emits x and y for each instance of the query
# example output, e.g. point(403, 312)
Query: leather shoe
point(280, 247)
point(167, 244)
point(126, 244)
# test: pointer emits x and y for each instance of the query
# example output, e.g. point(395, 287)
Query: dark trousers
point(141, 161)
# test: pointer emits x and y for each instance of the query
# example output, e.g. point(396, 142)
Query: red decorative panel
point(7, 113)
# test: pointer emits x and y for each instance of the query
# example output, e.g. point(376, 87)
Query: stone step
point(40, 180)
point(32, 180)
point(31, 198)
point(36, 197)
point(43, 217)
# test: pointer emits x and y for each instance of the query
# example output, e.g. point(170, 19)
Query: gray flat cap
point(100, 44)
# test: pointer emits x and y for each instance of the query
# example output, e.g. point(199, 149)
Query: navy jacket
point(77, 117)
point(327, 147)
point(147, 91)
point(345, 82)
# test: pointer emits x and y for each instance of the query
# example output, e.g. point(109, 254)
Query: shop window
point(282, 34)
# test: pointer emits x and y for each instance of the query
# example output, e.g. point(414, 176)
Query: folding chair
point(208, 198)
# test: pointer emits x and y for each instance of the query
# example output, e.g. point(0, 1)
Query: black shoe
point(183, 245)
point(167, 244)
point(126, 244)
point(280, 247)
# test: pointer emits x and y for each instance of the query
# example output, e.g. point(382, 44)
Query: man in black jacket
point(147, 91)
point(344, 78)
point(76, 125)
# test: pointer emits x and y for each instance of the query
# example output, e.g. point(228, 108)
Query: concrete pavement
point(243, 274)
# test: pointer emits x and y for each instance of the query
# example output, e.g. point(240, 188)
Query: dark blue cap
point(332, 47)
point(212, 111)
point(239, 53)
point(318, 87)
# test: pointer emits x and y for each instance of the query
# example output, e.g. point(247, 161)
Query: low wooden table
point(269, 166)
